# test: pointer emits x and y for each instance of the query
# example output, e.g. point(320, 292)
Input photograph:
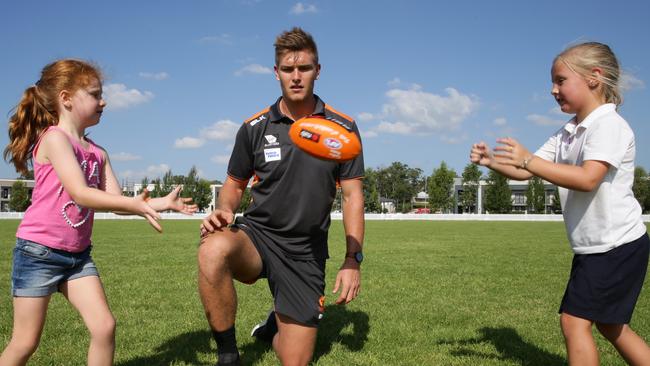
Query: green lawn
point(433, 293)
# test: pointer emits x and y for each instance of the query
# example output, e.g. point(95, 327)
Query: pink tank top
point(54, 219)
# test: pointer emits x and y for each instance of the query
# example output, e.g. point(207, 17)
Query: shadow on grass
point(510, 347)
point(182, 348)
point(331, 330)
point(188, 347)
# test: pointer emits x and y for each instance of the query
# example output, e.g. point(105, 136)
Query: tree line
point(193, 186)
point(397, 183)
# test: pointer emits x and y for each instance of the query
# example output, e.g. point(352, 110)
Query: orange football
point(325, 138)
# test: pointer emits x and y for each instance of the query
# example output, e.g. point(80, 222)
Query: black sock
point(226, 340)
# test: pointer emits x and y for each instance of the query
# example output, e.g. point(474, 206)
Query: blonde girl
point(591, 160)
point(73, 178)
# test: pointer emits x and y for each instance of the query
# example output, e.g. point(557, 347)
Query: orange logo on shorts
point(321, 304)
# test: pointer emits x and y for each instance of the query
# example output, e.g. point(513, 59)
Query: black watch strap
point(358, 256)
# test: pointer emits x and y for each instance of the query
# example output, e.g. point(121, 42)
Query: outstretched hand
point(348, 280)
point(511, 152)
point(144, 210)
point(173, 201)
point(481, 154)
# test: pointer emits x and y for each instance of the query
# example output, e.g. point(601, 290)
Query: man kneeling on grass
point(283, 234)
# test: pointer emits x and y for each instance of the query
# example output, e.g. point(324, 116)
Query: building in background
point(5, 191)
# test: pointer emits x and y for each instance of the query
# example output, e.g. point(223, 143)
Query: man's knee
point(214, 252)
point(294, 342)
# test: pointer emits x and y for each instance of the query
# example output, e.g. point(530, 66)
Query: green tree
point(471, 177)
point(20, 199)
point(498, 195)
point(246, 200)
point(535, 196)
point(371, 192)
point(400, 183)
point(641, 188)
point(202, 194)
point(156, 188)
point(441, 189)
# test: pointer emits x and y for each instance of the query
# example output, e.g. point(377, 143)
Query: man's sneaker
point(265, 330)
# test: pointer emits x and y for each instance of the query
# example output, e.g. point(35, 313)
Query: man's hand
point(217, 220)
point(349, 280)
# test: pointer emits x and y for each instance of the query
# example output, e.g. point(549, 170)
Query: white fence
point(338, 216)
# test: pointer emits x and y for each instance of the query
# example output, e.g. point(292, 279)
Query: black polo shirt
point(292, 192)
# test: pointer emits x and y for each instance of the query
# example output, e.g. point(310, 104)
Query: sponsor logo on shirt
point(257, 120)
point(273, 154)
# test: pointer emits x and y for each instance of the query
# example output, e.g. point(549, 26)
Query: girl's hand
point(144, 210)
point(173, 201)
point(481, 154)
point(511, 152)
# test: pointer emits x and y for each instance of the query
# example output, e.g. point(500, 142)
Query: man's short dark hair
point(294, 40)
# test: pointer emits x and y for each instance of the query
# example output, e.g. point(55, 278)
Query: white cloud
point(253, 69)
point(630, 82)
point(223, 38)
point(414, 111)
point(365, 116)
point(155, 76)
point(540, 120)
point(220, 159)
point(454, 140)
point(155, 171)
point(188, 143)
point(301, 8)
point(119, 97)
point(368, 133)
point(152, 172)
point(223, 130)
point(501, 121)
point(124, 156)
point(397, 128)
point(394, 83)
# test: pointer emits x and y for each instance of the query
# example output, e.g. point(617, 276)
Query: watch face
point(358, 256)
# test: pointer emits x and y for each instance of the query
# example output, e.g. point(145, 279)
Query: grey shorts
point(297, 286)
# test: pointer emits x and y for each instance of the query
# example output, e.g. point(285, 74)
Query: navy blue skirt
point(604, 287)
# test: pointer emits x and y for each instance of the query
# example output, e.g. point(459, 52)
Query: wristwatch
point(358, 256)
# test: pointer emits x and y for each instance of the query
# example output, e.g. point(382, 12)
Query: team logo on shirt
point(271, 140)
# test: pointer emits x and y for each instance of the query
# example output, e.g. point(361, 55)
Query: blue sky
point(423, 79)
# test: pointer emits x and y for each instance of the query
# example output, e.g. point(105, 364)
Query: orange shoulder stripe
point(329, 108)
point(257, 115)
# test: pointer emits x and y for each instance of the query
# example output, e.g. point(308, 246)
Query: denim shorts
point(39, 270)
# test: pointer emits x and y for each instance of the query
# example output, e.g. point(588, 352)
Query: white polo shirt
point(608, 216)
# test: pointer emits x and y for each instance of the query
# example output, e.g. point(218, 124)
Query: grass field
point(433, 293)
